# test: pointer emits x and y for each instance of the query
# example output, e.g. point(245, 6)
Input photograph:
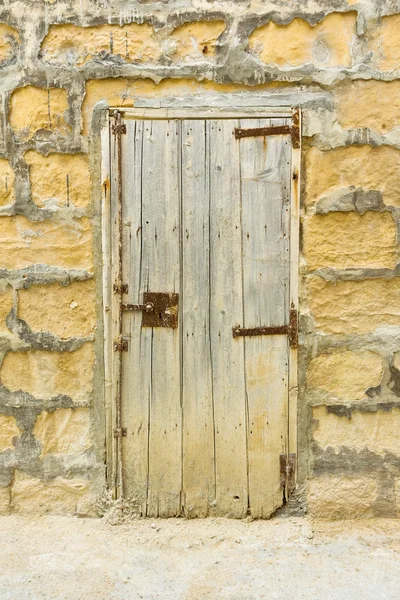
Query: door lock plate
point(165, 310)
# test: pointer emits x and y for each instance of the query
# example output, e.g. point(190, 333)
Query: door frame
point(220, 107)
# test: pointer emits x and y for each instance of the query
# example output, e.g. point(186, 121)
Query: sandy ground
point(57, 558)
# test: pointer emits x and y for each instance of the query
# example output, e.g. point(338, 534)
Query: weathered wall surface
point(339, 60)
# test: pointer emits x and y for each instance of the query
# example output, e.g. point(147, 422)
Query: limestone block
point(326, 44)
point(345, 374)
point(8, 430)
point(75, 46)
point(46, 374)
point(59, 179)
point(354, 306)
point(360, 166)
point(59, 244)
point(335, 497)
point(377, 432)
point(35, 109)
point(6, 304)
point(63, 431)
point(357, 103)
point(194, 41)
point(6, 183)
point(8, 35)
point(344, 240)
point(384, 43)
point(397, 360)
point(66, 311)
point(31, 496)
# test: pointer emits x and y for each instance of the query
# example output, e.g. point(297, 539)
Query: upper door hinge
point(118, 128)
point(292, 130)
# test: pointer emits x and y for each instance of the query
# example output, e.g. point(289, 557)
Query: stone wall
point(340, 61)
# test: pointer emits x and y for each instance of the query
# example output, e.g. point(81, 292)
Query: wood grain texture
point(226, 311)
point(197, 385)
point(265, 197)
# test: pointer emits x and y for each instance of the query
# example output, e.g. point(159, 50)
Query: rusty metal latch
point(160, 309)
point(292, 130)
point(148, 307)
point(290, 330)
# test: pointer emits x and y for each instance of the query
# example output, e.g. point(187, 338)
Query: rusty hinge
point(293, 328)
point(148, 307)
point(120, 432)
point(243, 332)
point(120, 288)
point(292, 130)
point(118, 128)
point(287, 467)
point(290, 330)
point(120, 346)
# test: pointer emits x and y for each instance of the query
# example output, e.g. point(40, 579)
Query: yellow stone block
point(63, 431)
point(59, 244)
point(66, 311)
point(345, 374)
point(326, 44)
point(6, 304)
point(385, 44)
point(357, 103)
point(34, 109)
point(6, 183)
point(45, 374)
point(7, 35)
point(344, 240)
point(30, 496)
point(354, 306)
point(194, 41)
point(335, 497)
point(74, 45)
point(397, 360)
point(5, 498)
point(59, 179)
point(8, 430)
point(360, 166)
point(377, 432)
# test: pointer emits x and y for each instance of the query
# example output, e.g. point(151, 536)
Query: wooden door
point(206, 216)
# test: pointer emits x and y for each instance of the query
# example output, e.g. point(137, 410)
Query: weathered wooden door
point(205, 260)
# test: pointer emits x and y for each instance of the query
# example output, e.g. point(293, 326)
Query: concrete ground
point(61, 558)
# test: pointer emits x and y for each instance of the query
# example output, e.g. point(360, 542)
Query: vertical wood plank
point(136, 385)
point(294, 289)
point(226, 311)
point(265, 195)
point(197, 392)
point(160, 272)
point(106, 231)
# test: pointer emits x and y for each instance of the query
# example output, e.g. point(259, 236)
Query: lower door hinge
point(287, 464)
point(293, 328)
point(121, 346)
point(120, 432)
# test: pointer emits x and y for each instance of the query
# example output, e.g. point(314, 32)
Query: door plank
point(226, 310)
point(197, 392)
point(265, 194)
point(160, 272)
point(136, 380)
